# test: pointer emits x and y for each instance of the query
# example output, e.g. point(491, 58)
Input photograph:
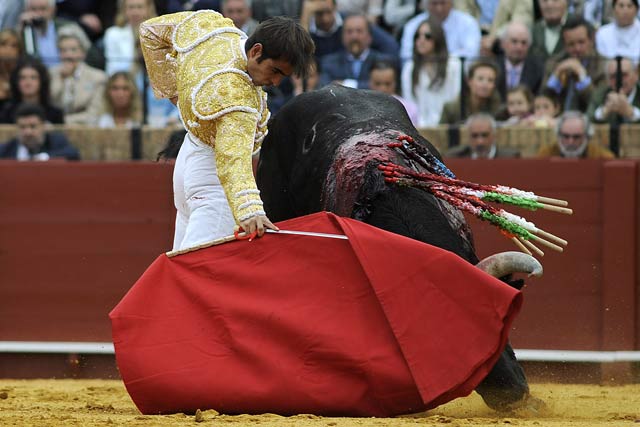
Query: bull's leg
point(506, 387)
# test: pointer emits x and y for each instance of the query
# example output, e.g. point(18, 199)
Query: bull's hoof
point(528, 406)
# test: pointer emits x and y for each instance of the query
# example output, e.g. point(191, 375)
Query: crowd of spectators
point(534, 63)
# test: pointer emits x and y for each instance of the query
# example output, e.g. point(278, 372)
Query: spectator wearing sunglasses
point(574, 135)
point(431, 78)
point(461, 30)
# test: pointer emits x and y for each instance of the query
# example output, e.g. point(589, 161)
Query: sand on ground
point(92, 403)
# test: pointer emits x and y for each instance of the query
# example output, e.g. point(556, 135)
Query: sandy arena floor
point(90, 403)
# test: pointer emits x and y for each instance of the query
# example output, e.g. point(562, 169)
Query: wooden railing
point(144, 144)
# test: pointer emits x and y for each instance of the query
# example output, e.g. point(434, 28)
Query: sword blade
point(308, 233)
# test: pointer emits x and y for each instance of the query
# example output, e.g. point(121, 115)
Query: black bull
point(321, 154)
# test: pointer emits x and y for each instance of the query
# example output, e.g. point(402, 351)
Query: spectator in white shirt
point(121, 40)
point(431, 78)
point(460, 29)
point(621, 37)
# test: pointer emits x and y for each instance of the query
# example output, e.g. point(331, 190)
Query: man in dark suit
point(607, 102)
point(351, 66)
point(516, 66)
point(33, 142)
point(323, 21)
point(481, 128)
point(574, 74)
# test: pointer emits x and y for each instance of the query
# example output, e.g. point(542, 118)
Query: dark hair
point(480, 63)
point(358, 15)
point(43, 73)
point(523, 89)
point(613, 4)
point(384, 64)
point(576, 21)
point(282, 38)
point(206, 4)
point(30, 109)
point(552, 96)
point(440, 55)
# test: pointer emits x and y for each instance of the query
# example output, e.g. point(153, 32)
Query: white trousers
point(203, 212)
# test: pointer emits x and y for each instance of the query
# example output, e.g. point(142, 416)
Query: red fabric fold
point(377, 325)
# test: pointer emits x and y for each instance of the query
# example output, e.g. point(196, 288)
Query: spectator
point(460, 29)
point(516, 65)
point(607, 102)
point(574, 133)
point(32, 142)
point(324, 23)
point(546, 108)
point(481, 128)
point(30, 82)
point(372, 9)
point(519, 105)
point(121, 103)
point(74, 84)
point(263, 9)
point(40, 28)
point(598, 12)
point(121, 41)
point(396, 13)
point(206, 5)
point(92, 15)
point(482, 95)
point(10, 52)
point(431, 78)
point(621, 37)
point(351, 65)
point(494, 16)
point(301, 85)
point(239, 11)
point(574, 74)
point(546, 37)
point(10, 11)
point(383, 77)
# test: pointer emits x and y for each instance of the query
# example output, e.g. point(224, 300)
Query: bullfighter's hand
point(256, 225)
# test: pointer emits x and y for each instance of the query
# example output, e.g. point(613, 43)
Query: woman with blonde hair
point(431, 78)
point(122, 106)
point(121, 45)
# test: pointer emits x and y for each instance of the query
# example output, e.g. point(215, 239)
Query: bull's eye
point(309, 140)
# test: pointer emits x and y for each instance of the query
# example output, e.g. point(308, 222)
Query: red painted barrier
point(75, 236)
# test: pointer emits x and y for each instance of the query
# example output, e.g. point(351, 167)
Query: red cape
point(377, 325)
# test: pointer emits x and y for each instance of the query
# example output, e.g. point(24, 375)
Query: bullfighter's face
point(266, 72)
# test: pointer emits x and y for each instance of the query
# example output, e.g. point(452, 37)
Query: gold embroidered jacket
point(199, 58)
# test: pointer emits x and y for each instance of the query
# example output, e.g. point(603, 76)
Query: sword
point(308, 233)
point(221, 240)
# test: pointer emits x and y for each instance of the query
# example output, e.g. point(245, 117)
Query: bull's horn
point(504, 263)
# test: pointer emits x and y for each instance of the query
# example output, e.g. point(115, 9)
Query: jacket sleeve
point(156, 43)
point(233, 147)
point(59, 146)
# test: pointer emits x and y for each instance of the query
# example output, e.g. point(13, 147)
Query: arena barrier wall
point(74, 236)
point(145, 143)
